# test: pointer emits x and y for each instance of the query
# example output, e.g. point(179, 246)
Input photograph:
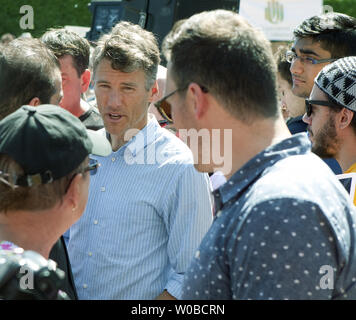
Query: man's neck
point(347, 154)
point(27, 232)
point(249, 140)
point(118, 140)
point(79, 109)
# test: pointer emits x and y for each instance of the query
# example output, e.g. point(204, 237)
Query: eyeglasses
point(37, 179)
point(92, 168)
point(165, 108)
point(291, 56)
point(309, 105)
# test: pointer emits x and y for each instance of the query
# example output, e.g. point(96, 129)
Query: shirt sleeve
point(189, 216)
point(283, 251)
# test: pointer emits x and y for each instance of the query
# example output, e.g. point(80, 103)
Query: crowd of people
point(157, 218)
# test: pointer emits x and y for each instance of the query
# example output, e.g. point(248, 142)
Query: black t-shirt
point(92, 119)
point(59, 254)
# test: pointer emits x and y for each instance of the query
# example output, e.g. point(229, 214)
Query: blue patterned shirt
point(284, 229)
point(147, 212)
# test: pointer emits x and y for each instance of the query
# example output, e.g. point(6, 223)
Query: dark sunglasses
point(309, 105)
point(37, 179)
point(164, 107)
point(92, 168)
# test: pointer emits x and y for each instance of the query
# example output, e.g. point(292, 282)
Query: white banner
point(278, 18)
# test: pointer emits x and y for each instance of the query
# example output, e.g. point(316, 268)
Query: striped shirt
point(147, 212)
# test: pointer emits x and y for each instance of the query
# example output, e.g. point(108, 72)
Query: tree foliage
point(343, 6)
point(47, 14)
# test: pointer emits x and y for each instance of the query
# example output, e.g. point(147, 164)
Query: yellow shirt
point(350, 170)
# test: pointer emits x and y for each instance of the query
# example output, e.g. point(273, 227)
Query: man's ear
point(154, 92)
point(72, 197)
point(85, 80)
point(345, 118)
point(199, 100)
point(35, 102)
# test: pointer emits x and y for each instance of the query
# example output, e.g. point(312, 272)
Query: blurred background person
point(7, 38)
point(293, 107)
point(161, 85)
point(73, 53)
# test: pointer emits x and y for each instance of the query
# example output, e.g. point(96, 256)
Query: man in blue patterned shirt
point(284, 226)
point(149, 209)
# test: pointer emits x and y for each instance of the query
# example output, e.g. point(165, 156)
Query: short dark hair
point(283, 65)
point(220, 50)
point(335, 31)
point(64, 42)
point(27, 70)
point(129, 48)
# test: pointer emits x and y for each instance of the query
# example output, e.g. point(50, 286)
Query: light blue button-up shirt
point(147, 212)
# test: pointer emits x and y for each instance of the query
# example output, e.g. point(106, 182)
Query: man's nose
point(306, 119)
point(296, 67)
point(115, 98)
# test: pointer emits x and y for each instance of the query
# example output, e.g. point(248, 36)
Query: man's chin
point(300, 91)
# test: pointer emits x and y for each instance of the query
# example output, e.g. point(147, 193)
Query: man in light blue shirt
point(149, 208)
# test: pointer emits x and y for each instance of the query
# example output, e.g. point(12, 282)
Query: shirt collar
point(237, 184)
point(295, 119)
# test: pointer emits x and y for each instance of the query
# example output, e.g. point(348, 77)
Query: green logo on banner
point(274, 12)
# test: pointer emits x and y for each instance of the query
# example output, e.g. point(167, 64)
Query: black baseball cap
point(48, 142)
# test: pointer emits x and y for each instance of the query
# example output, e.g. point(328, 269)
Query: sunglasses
point(92, 167)
point(165, 108)
point(37, 179)
point(309, 105)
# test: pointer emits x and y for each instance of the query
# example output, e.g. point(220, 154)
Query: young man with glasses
point(148, 208)
point(282, 218)
point(44, 176)
point(318, 41)
point(330, 113)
